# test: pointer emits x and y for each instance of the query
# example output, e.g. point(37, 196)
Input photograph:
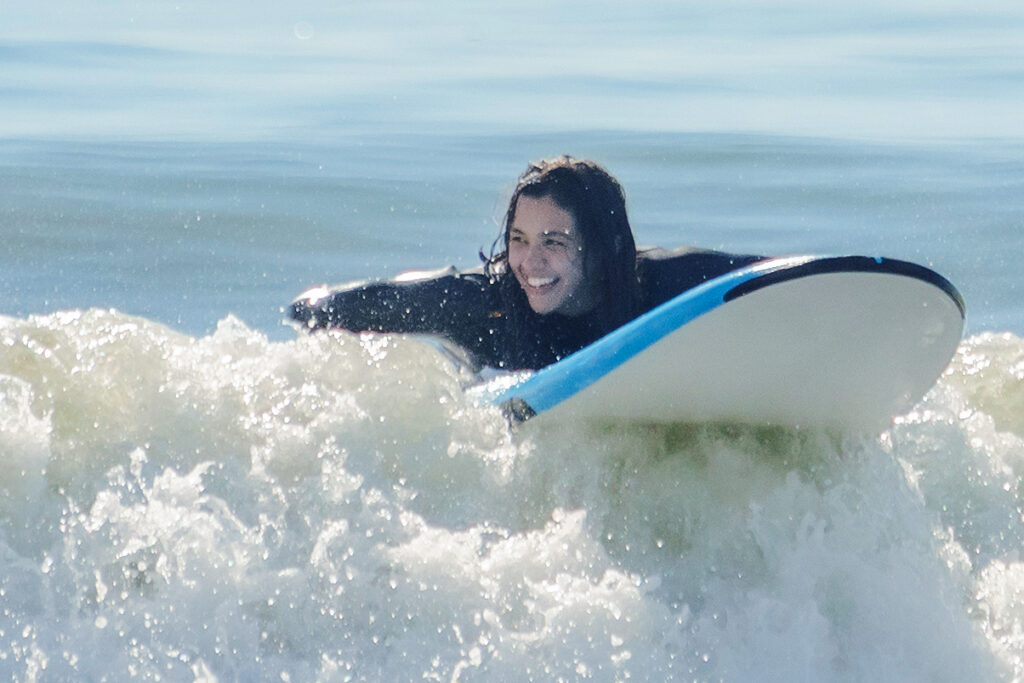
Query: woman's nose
point(534, 256)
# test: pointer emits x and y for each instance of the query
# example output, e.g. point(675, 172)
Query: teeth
point(539, 281)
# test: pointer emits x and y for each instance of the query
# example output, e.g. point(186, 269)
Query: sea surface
point(192, 490)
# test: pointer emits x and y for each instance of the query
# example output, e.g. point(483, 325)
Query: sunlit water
point(335, 508)
point(190, 490)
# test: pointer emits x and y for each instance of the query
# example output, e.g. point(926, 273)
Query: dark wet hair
point(597, 203)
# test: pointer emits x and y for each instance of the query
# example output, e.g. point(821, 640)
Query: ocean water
point(191, 490)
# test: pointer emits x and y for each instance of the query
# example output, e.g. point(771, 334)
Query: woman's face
point(545, 253)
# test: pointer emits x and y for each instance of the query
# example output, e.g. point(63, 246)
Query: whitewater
point(334, 508)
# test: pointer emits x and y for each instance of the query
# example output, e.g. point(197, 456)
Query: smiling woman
point(569, 245)
point(567, 273)
point(545, 253)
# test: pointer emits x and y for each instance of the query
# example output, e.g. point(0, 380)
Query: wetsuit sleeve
point(458, 306)
point(667, 273)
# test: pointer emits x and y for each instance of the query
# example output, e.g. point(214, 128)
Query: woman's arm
point(459, 306)
point(666, 273)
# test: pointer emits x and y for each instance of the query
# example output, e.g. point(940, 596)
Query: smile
point(540, 281)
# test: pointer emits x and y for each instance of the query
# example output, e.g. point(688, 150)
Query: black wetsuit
point(466, 308)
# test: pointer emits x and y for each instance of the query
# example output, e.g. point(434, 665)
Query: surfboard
point(842, 342)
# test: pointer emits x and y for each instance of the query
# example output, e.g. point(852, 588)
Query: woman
point(568, 253)
point(568, 272)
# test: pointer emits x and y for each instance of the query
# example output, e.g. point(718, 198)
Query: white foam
point(334, 507)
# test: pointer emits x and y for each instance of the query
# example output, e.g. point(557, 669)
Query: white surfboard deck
point(842, 342)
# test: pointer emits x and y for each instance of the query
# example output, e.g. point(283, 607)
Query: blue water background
point(182, 162)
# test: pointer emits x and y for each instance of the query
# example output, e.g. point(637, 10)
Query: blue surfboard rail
point(555, 383)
